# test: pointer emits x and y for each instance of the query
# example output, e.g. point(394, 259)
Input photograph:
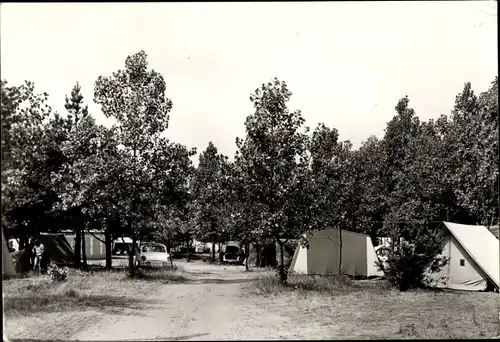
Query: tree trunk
point(108, 245)
point(188, 251)
point(257, 250)
point(282, 272)
point(247, 254)
point(169, 250)
point(131, 258)
point(84, 250)
point(78, 247)
point(213, 249)
point(23, 242)
point(340, 249)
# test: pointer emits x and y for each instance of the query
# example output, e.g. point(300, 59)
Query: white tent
point(7, 263)
point(323, 254)
point(474, 260)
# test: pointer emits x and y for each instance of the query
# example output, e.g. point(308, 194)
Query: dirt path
point(212, 307)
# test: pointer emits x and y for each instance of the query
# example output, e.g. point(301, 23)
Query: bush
point(56, 273)
point(408, 264)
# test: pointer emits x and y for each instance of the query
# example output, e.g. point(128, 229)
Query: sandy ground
point(216, 304)
point(213, 307)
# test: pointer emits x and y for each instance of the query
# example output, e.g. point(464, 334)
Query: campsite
point(256, 170)
point(208, 302)
point(103, 305)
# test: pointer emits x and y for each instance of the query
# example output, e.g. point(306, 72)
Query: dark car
point(232, 254)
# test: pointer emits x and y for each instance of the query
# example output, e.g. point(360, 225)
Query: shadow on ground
point(170, 338)
point(119, 305)
point(217, 281)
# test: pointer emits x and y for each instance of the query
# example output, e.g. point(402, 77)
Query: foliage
point(210, 189)
point(56, 273)
point(27, 160)
point(67, 171)
point(136, 98)
point(411, 260)
point(273, 163)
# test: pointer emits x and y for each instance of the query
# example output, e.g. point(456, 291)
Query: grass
point(268, 284)
point(92, 290)
point(337, 307)
point(164, 276)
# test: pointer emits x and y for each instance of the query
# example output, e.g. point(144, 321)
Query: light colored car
point(153, 255)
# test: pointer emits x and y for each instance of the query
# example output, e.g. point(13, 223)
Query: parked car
point(153, 255)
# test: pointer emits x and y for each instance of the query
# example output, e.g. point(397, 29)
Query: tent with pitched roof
point(474, 259)
point(357, 255)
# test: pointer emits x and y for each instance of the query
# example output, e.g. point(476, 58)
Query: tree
point(323, 148)
point(369, 164)
point(27, 160)
point(136, 98)
point(210, 189)
point(103, 175)
point(412, 187)
point(276, 162)
point(171, 170)
point(244, 208)
point(473, 161)
point(332, 182)
point(77, 135)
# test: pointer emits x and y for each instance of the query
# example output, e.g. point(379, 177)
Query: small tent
point(7, 263)
point(474, 260)
point(57, 248)
point(269, 253)
point(323, 256)
point(263, 255)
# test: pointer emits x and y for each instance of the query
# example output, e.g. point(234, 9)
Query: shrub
point(56, 273)
point(269, 285)
point(409, 265)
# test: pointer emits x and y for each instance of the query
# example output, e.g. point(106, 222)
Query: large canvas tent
point(269, 255)
point(474, 260)
point(263, 255)
point(95, 247)
point(57, 248)
point(323, 256)
point(7, 263)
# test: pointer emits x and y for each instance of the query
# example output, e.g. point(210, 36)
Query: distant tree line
point(64, 171)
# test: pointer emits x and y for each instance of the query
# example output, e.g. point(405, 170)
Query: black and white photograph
point(303, 170)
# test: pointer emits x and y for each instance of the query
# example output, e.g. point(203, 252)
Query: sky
point(346, 63)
